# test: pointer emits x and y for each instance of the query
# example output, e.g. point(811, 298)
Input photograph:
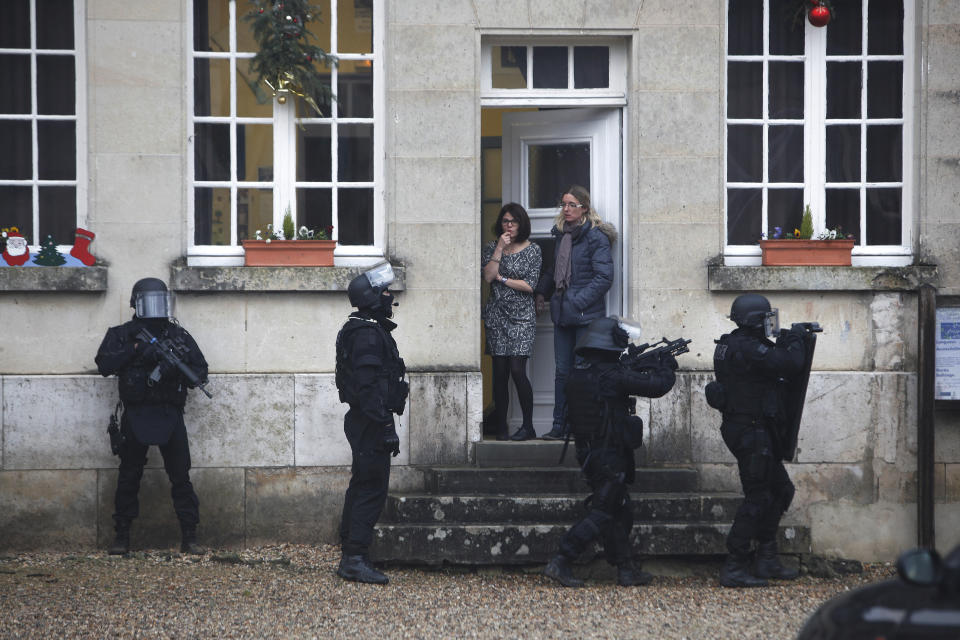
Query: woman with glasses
point(577, 282)
point(511, 265)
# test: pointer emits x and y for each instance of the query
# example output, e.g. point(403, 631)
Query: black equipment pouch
point(397, 391)
point(632, 432)
point(113, 430)
point(716, 395)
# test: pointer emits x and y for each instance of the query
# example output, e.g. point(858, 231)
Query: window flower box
point(795, 252)
point(289, 253)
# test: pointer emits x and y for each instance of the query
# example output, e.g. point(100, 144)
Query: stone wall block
point(152, 181)
point(952, 482)
point(438, 424)
point(121, 10)
point(942, 192)
point(139, 121)
point(449, 258)
point(894, 484)
point(150, 55)
point(436, 124)
point(837, 418)
point(678, 58)
point(291, 332)
point(432, 58)
point(249, 422)
point(943, 109)
point(831, 483)
point(889, 332)
point(666, 194)
point(942, 51)
point(300, 506)
point(610, 14)
point(895, 418)
point(451, 313)
point(474, 407)
point(678, 123)
point(661, 264)
point(432, 12)
point(892, 527)
point(445, 179)
point(719, 477)
point(559, 14)
point(41, 432)
point(670, 425)
point(679, 12)
point(503, 13)
point(706, 442)
point(221, 496)
point(48, 510)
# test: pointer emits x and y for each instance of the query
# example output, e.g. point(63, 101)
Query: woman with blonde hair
point(575, 284)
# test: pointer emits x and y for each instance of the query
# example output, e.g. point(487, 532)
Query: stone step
point(512, 544)
point(552, 509)
point(555, 480)
point(529, 453)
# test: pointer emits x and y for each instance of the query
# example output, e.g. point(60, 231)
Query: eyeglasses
point(510, 221)
point(571, 205)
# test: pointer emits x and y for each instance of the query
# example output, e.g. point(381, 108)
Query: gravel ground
point(291, 591)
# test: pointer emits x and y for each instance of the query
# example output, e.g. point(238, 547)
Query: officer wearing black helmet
point(153, 395)
point(370, 377)
point(598, 414)
point(749, 368)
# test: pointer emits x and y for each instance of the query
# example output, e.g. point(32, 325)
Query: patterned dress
point(510, 316)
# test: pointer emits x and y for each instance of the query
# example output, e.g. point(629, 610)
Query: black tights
point(505, 367)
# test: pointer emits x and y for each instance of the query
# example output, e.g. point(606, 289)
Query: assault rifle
point(646, 355)
point(172, 352)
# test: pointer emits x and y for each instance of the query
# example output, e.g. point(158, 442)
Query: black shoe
point(503, 435)
point(359, 569)
point(554, 434)
point(188, 541)
point(736, 573)
point(768, 563)
point(629, 575)
point(559, 569)
point(121, 543)
point(525, 432)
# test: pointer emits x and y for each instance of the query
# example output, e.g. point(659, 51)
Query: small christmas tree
point(806, 224)
point(49, 256)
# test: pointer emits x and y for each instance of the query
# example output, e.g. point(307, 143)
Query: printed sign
point(948, 354)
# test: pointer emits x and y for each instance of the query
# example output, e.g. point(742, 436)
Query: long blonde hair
point(583, 197)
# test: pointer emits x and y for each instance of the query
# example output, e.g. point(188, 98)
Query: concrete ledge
point(70, 279)
point(722, 278)
point(268, 279)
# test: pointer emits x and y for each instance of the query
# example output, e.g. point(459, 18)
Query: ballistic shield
point(795, 392)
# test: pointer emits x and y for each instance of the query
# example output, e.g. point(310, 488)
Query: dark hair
point(520, 215)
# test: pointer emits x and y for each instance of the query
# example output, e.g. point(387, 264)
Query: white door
point(544, 152)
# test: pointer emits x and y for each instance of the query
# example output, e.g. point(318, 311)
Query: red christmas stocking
point(81, 247)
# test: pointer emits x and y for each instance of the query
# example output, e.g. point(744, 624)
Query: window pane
point(211, 152)
point(16, 160)
point(883, 216)
point(843, 89)
point(843, 211)
point(211, 87)
point(844, 35)
point(743, 216)
point(211, 26)
point(313, 153)
point(254, 151)
point(884, 89)
point(15, 80)
point(508, 67)
point(745, 27)
point(885, 27)
point(355, 89)
point(786, 31)
point(745, 90)
point(744, 153)
point(843, 153)
point(884, 153)
point(254, 211)
point(54, 27)
point(18, 210)
point(211, 213)
point(591, 67)
point(786, 153)
point(549, 67)
point(57, 150)
point(784, 210)
point(254, 99)
point(354, 26)
point(15, 26)
point(355, 213)
point(56, 85)
point(314, 209)
point(355, 150)
point(553, 168)
point(786, 90)
point(58, 213)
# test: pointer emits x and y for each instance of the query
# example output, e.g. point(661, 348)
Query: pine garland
point(287, 61)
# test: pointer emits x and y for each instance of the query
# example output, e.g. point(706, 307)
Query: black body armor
point(363, 342)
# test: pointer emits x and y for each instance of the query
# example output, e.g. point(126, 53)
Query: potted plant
point(290, 247)
point(829, 248)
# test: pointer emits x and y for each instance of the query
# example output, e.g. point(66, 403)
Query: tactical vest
point(391, 373)
point(134, 387)
point(586, 409)
point(747, 390)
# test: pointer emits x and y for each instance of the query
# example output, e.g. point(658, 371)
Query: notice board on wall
point(948, 353)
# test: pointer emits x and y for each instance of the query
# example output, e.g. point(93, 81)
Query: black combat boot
point(525, 432)
point(121, 540)
point(630, 575)
point(559, 569)
point(768, 563)
point(736, 573)
point(359, 569)
point(188, 540)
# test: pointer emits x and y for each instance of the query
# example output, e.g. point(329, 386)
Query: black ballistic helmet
point(603, 334)
point(750, 310)
point(151, 299)
point(364, 290)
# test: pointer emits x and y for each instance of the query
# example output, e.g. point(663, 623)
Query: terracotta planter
point(289, 253)
point(782, 253)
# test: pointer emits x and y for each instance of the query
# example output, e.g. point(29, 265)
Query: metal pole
point(926, 368)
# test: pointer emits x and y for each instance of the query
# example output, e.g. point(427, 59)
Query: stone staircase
point(515, 505)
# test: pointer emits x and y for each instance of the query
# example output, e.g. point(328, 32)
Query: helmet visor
point(381, 276)
point(632, 328)
point(771, 323)
point(154, 304)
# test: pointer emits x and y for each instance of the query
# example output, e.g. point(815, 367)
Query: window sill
point(185, 278)
point(67, 279)
point(723, 278)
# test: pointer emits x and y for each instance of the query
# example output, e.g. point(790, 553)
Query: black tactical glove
point(668, 360)
point(391, 441)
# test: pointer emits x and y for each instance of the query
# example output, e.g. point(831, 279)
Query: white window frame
point(79, 119)
point(283, 121)
point(814, 149)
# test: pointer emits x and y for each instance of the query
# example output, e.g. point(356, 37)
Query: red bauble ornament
point(819, 15)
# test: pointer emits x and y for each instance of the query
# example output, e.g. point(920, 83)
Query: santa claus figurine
point(16, 254)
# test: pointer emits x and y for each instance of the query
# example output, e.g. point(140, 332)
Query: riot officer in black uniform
point(153, 393)
point(599, 407)
point(750, 371)
point(370, 377)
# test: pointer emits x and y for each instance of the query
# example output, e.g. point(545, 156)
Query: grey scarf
point(561, 269)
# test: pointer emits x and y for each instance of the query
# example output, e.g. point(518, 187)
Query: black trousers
point(176, 462)
point(767, 489)
point(369, 479)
